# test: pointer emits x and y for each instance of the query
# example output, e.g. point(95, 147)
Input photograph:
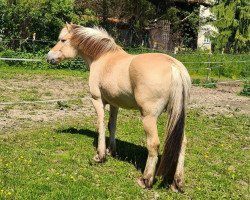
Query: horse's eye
point(63, 41)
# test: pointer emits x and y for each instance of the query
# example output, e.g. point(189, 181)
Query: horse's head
point(63, 49)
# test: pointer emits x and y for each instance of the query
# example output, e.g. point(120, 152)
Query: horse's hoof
point(144, 183)
point(141, 182)
point(110, 152)
point(177, 186)
point(97, 159)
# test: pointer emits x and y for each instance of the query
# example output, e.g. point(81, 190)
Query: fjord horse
point(151, 83)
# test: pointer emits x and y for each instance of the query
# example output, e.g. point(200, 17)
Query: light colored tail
point(179, 94)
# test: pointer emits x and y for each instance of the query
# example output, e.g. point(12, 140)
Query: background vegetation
point(20, 19)
point(233, 23)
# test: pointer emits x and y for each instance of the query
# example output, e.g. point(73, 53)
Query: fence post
point(208, 66)
point(33, 42)
point(220, 66)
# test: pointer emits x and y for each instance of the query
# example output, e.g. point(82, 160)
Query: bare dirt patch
point(39, 87)
point(221, 100)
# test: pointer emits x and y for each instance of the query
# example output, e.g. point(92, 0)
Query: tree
point(233, 23)
point(23, 18)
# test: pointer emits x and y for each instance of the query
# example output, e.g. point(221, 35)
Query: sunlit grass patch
point(54, 161)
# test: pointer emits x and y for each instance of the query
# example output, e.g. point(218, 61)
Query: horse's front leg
point(112, 130)
point(150, 127)
point(101, 149)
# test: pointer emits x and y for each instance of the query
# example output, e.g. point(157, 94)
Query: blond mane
point(93, 42)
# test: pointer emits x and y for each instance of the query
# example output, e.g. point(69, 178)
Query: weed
point(246, 89)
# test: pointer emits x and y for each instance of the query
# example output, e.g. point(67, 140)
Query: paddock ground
point(18, 88)
point(46, 149)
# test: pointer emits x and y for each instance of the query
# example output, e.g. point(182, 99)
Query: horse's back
point(154, 68)
point(155, 60)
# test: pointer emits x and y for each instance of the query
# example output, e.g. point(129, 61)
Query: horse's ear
point(69, 26)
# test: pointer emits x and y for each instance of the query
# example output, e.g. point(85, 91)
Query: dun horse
point(151, 83)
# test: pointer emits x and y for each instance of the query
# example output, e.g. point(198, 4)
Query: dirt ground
point(221, 100)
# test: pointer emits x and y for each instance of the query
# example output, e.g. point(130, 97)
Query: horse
point(151, 83)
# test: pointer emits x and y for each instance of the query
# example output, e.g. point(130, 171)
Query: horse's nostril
point(51, 61)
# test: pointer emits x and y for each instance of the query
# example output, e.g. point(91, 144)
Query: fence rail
point(22, 59)
point(81, 61)
point(208, 68)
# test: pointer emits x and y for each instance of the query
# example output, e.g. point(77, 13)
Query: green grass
point(232, 66)
point(7, 72)
point(54, 161)
point(29, 94)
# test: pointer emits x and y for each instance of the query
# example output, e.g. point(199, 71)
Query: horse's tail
point(179, 94)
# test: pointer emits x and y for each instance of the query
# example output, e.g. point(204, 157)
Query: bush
point(246, 89)
point(43, 18)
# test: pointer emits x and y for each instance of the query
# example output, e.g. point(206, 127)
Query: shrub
point(246, 89)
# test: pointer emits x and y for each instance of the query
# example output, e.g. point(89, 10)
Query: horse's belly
point(126, 101)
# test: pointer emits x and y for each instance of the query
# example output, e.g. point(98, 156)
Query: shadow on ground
point(127, 152)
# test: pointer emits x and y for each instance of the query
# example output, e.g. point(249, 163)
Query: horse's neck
point(87, 59)
point(101, 58)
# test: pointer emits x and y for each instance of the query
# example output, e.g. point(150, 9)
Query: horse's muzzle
point(52, 58)
point(51, 61)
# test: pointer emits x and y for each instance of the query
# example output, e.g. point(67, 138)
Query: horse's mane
point(93, 42)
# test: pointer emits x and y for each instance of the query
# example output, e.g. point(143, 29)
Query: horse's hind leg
point(101, 149)
point(150, 127)
point(178, 183)
point(112, 130)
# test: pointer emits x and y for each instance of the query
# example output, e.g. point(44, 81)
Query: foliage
point(23, 18)
point(185, 23)
point(20, 19)
point(246, 89)
point(233, 23)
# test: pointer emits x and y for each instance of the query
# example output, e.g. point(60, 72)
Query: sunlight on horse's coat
point(152, 83)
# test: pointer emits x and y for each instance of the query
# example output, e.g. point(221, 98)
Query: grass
point(54, 161)
point(29, 94)
point(7, 72)
point(231, 66)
